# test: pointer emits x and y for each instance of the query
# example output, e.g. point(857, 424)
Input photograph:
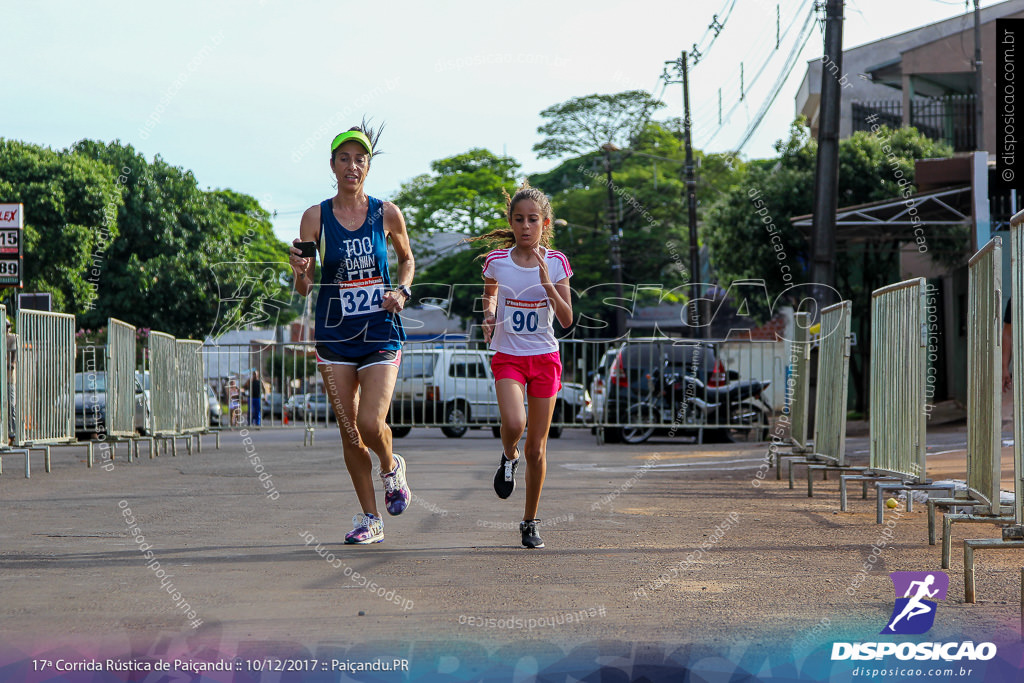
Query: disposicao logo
point(913, 614)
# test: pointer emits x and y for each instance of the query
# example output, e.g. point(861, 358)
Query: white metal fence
point(191, 406)
point(833, 383)
point(898, 376)
point(984, 373)
point(163, 383)
point(45, 382)
point(120, 379)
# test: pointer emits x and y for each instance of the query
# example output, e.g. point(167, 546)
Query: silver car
point(91, 403)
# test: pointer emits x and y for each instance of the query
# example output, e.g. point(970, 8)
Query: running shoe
point(505, 477)
point(531, 539)
point(396, 490)
point(368, 529)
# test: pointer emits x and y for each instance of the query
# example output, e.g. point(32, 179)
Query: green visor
point(356, 135)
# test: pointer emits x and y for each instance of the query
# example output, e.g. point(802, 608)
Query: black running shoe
point(505, 477)
point(531, 539)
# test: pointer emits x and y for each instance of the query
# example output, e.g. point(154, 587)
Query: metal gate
point(984, 373)
point(192, 413)
point(1017, 316)
point(46, 378)
point(163, 382)
point(833, 383)
point(800, 377)
point(898, 375)
point(120, 379)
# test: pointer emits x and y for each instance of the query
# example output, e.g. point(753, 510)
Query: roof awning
point(895, 218)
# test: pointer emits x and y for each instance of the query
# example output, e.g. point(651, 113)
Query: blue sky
point(249, 94)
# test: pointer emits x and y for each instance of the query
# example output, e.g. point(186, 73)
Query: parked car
point(293, 406)
point(91, 403)
point(455, 387)
point(627, 369)
point(272, 404)
point(598, 380)
point(216, 409)
point(637, 370)
point(316, 407)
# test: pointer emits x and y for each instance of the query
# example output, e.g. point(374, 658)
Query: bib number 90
point(523, 321)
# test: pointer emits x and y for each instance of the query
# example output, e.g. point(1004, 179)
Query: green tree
point(585, 124)
point(71, 211)
point(648, 190)
point(739, 232)
point(462, 195)
point(166, 269)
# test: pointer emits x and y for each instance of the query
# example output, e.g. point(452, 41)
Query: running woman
point(526, 286)
point(359, 333)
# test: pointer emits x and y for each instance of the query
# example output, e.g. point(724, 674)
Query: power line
point(762, 54)
point(699, 50)
point(794, 55)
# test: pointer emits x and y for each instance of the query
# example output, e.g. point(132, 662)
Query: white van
point(455, 388)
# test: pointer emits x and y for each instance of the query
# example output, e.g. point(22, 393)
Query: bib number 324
point(361, 297)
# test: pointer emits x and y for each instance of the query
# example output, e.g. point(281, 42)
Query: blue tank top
point(353, 279)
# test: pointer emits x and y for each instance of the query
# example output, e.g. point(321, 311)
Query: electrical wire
point(758, 55)
point(794, 53)
point(794, 56)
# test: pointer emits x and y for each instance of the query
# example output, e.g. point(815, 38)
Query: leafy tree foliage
point(584, 124)
point(739, 231)
point(166, 271)
point(72, 205)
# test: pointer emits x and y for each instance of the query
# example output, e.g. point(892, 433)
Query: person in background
point(255, 399)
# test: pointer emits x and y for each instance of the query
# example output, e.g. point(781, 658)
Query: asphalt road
point(624, 526)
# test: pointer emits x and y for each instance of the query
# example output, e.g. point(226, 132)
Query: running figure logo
point(914, 613)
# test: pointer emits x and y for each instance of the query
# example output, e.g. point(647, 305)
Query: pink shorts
point(541, 374)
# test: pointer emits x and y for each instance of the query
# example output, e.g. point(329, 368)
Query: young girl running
point(526, 285)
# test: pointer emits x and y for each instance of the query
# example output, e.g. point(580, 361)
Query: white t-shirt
point(523, 323)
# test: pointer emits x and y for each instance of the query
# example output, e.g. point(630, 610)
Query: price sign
point(12, 220)
point(10, 241)
point(10, 271)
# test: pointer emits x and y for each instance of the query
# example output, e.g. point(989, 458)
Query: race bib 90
point(525, 317)
point(361, 297)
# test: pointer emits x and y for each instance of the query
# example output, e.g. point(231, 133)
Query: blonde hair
point(503, 238)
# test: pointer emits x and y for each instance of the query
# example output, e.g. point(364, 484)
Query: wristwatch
point(404, 289)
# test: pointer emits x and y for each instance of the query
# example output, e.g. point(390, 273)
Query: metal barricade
point(984, 373)
point(120, 379)
point(833, 384)
point(984, 394)
point(192, 407)
point(1013, 536)
point(828, 454)
point(898, 373)
point(163, 383)
point(797, 407)
point(46, 373)
point(1017, 350)
point(6, 383)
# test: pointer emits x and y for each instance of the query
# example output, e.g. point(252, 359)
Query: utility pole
point(978, 103)
point(826, 177)
point(691, 186)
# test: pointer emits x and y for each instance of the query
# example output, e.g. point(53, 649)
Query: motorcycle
point(686, 406)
